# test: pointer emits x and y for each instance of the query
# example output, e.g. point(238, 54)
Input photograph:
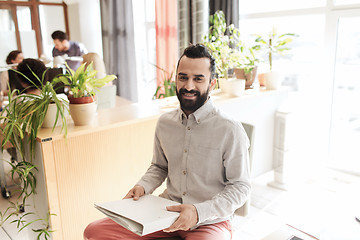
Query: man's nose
point(190, 85)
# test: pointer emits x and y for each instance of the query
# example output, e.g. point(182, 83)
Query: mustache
point(183, 90)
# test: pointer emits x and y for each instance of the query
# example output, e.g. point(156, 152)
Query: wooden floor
point(323, 206)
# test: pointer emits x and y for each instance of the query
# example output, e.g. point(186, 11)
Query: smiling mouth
point(189, 95)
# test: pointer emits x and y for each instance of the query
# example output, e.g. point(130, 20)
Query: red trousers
point(106, 229)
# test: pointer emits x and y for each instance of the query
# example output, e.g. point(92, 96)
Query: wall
point(85, 23)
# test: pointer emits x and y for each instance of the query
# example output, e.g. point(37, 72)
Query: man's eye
point(198, 79)
point(182, 78)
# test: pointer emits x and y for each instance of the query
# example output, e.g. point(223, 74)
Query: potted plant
point(21, 119)
point(247, 68)
point(82, 84)
point(224, 43)
point(274, 44)
point(26, 113)
point(168, 85)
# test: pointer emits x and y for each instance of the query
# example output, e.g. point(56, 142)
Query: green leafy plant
point(25, 114)
point(274, 43)
point(169, 85)
point(83, 82)
point(224, 43)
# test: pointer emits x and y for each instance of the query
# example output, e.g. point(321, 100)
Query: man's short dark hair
point(200, 51)
point(37, 67)
point(60, 35)
point(12, 56)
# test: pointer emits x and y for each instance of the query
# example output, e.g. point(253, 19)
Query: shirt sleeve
point(83, 49)
point(237, 183)
point(158, 170)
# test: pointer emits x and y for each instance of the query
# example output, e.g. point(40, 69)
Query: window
point(322, 71)
point(24, 26)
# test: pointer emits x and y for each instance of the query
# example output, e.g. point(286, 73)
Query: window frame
point(35, 19)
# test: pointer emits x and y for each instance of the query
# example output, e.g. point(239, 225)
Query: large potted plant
point(274, 44)
point(26, 113)
point(82, 84)
point(20, 120)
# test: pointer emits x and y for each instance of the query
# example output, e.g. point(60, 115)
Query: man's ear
point(213, 84)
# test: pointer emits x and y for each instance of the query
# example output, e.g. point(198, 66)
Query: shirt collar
point(199, 114)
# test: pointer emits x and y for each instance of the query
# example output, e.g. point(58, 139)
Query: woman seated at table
point(14, 57)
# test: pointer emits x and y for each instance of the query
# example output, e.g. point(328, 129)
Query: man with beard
point(202, 153)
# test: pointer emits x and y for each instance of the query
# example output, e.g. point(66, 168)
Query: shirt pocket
point(206, 164)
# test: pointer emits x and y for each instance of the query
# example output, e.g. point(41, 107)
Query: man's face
point(62, 46)
point(193, 83)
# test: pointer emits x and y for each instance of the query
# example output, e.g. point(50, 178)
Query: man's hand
point(187, 219)
point(135, 193)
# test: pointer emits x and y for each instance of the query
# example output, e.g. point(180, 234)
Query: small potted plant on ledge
point(247, 67)
point(224, 43)
point(274, 44)
point(82, 84)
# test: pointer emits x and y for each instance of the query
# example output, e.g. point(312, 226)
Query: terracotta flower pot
point(249, 77)
point(81, 100)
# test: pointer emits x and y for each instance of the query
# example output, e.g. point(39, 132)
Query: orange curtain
point(166, 38)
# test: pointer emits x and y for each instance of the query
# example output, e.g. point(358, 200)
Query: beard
point(192, 105)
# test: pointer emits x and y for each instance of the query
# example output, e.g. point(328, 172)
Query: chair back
point(98, 63)
point(249, 129)
point(51, 73)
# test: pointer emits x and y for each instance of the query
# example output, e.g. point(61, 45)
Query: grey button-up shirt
point(205, 160)
point(75, 49)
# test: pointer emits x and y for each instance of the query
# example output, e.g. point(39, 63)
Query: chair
point(98, 63)
point(51, 73)
point(249, 129)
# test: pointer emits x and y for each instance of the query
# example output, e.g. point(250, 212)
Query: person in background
point(38, 68)
point(14, 57)
point(201, 152)
point(63, 46)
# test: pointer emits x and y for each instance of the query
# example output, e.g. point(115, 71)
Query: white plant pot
point(50, 117)
point(83, 114)
point(272, 80)
point(236, 87)
point(223, 85)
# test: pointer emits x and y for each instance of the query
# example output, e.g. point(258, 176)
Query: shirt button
point(184, 193)
point(185, 150)
point(184, 172)
point(188, 128)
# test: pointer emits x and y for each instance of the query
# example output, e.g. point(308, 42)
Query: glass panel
point(345, 2)
point(294, 64)
point(301, 70)
point(7, 35)
point(345, 128)
point(49, 24)
point(258, 6)
point(24, 18)
point(27, 34)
